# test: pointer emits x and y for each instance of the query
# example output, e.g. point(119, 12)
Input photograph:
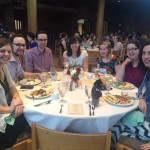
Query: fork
point(61, 106)
point(93, 108)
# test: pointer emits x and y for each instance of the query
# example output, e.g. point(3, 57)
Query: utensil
point(93, 108)
point(47, 102)
point(90, 113)
point(61, 106)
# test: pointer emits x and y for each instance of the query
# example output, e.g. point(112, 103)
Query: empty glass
point(88, 90)
point(53, 73)
point(109, 83)
point(62, 89)
point(44, 77)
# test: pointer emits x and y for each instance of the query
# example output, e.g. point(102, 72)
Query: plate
point(123, 85)
point(29, 82)
point(128, 104)
point(119, 100)
point(40, 93)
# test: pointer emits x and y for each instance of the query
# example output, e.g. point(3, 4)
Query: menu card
point(75, 109)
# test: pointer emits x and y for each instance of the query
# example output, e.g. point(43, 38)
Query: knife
point(47, 102)
point(90, 110)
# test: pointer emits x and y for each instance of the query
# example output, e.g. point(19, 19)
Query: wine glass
point(88, 90)
point(44, 77)
point(62, 89)
point(109, 83)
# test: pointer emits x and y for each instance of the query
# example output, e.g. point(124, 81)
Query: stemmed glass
point(109, 82)
point(44, 77)
point(62, 89)
point(88, 90)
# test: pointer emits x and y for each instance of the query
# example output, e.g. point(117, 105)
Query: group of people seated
point(134, 69)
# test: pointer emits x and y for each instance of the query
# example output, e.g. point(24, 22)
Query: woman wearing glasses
point(132, 69)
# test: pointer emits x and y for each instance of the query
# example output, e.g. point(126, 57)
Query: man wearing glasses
point(39, 59)
point(18, 47)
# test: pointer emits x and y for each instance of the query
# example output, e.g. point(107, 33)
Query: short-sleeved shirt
point(15, 69)
point(36, 61)
point(78, 60)
point(134, 75)
point(109, 66)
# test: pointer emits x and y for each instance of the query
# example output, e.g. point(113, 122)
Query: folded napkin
point(75, 109)
point(133, 118)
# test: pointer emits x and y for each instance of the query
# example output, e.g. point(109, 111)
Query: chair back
point(43, 138)
point(23, 145)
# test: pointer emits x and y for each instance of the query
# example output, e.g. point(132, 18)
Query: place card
point(75, 109)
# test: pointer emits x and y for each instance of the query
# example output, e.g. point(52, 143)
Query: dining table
point(74, 115)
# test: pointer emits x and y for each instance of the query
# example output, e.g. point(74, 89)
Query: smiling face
point(5, 54)
point(133, 52)
point(42, 41)
point(74, 47)
point(146, 56)
point(19, 46)
point(104, 51)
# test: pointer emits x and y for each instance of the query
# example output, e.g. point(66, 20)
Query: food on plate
point(30, 81)
point(41, 92)
point(123, 85)
point(118, 99)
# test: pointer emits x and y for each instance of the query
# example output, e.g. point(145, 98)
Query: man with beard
point(39, 59)
point(18, 47)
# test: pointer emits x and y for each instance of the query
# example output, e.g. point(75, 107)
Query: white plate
point(128, 104)
point(25, 82)
point(28, 94)
point(122, 88)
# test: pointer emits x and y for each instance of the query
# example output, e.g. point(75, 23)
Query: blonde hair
point(108, 44)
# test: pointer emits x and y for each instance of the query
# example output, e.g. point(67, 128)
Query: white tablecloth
point(106, 115)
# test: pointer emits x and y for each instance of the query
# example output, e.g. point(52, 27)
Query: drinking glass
point(53, 73)
point(109, 83)
point(62, 89)
point(88, 90)
point(44, 77)
point(66, 65)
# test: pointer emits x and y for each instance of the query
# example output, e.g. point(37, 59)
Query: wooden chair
point(23, 145)
point(129, 143)
point(43, 138)
point(92, 55)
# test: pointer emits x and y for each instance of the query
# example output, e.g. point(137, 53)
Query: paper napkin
point(75, 109)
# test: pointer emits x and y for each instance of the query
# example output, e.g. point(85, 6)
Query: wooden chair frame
point(55, 140)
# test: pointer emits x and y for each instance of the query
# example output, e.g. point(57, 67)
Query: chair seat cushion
point(131, 142)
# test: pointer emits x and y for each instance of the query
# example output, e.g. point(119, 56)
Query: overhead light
point(119, 1)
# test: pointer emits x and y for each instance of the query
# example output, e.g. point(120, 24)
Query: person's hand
point(145, 146)
point(18, 110)
point(142, 105)
point(128, 60)
point(17, 101)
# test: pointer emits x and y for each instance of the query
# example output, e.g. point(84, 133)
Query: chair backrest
point(23, 145)
point(43, 138)
point(92, 55)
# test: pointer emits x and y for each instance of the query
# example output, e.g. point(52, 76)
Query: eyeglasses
point(42, 40)
point(132, 49)
point(19, 44)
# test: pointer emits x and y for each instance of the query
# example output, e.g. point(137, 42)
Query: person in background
point(118, 48)
point(31, 40)
point(132, 69)
point(74, 55)
point(107, 62)
point(10, 101)
point(39, 59)
point(18, 48)
point(63, 41)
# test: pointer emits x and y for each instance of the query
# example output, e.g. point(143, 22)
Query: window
point(18, 25)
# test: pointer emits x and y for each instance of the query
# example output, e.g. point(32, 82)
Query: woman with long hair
point(74, 55)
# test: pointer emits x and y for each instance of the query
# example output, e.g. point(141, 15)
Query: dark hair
point(14, 36)
point(73, 40)
point(3, 42)
point(31, 35)
point(141, 65)
point(40, 32)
